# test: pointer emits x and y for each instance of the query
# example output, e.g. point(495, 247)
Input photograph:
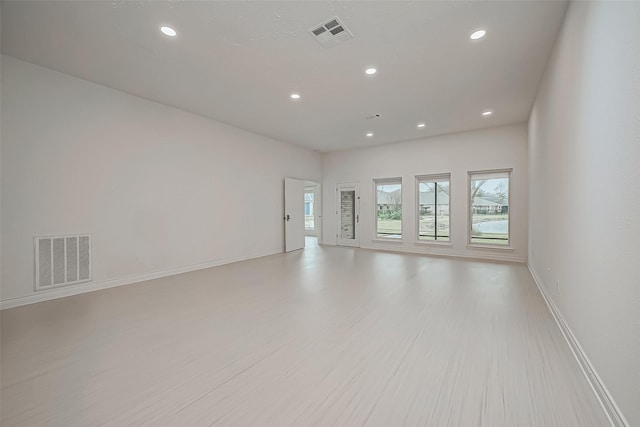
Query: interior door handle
point(358, 218)
point(288, 217)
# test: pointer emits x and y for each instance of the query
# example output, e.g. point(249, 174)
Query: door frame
point(317, 208)
point(347, 186)
point(294, 238)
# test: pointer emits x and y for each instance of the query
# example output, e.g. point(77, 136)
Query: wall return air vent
point(62, 260)
point(331, 33)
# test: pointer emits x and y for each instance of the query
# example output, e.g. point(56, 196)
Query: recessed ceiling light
point(370, 134)
point(295, 96)
point(370, 71)
point(421, 125)
point(478, 34)
point(168, 31)
point(487, 113)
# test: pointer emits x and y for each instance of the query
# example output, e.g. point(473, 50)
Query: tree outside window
point(489, 201)
point(389, 208)
point(433, 208)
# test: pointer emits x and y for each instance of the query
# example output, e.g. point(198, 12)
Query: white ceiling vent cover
point(62, 260)
point(331, 33)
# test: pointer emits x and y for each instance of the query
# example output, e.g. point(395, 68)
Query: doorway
point(302, 218)
point(312, 213)
point(348, 214)
point(310, 208)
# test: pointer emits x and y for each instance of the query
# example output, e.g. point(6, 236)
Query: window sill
point(387, 240)
point(433, 243)
point(497, 247)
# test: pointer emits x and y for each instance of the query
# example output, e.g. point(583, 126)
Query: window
point(489, 201)
point(389, 208)
point(433, 208)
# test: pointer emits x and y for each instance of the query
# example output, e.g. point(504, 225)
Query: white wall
point(159, 189)
point(1, 210)
point(585, 164)
point(495, 148)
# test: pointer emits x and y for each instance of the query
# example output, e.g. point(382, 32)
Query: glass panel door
point(348, 213)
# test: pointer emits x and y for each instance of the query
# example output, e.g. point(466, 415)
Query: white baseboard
point(488, 255)
point(120, 281)
point(607, 402)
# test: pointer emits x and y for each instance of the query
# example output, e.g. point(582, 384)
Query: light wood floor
point(324, 336)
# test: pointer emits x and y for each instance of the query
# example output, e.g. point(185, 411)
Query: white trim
point(608, 404)
point(311, 189)
point(508, 174)
point(390, 181)
point(433, 250)
point(387, 181)
point(120, 281)
point(435, 178)
point(340, 241)
point(490, 246)
point(442, 243)
point(444, 251)
point(317, 209)
point(317, 214)
point(392, 240)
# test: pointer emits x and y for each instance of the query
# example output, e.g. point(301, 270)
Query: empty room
point(319, 213)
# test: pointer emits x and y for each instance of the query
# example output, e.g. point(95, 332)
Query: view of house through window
point(308, 211)
point(433, 208)
point(389, 208)
point(489, 195)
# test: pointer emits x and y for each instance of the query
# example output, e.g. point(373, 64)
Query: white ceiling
point(238, 61)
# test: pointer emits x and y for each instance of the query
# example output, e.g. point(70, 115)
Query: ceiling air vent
point(331, 33)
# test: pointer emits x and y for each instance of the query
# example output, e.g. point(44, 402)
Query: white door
point(293, 214)
point(348, 214)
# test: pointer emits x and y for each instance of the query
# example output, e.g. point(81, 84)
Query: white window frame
point(506, 173)
point(432, 178)
point(387, 181)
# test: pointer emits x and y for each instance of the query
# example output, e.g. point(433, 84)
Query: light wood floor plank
point(324, 336)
